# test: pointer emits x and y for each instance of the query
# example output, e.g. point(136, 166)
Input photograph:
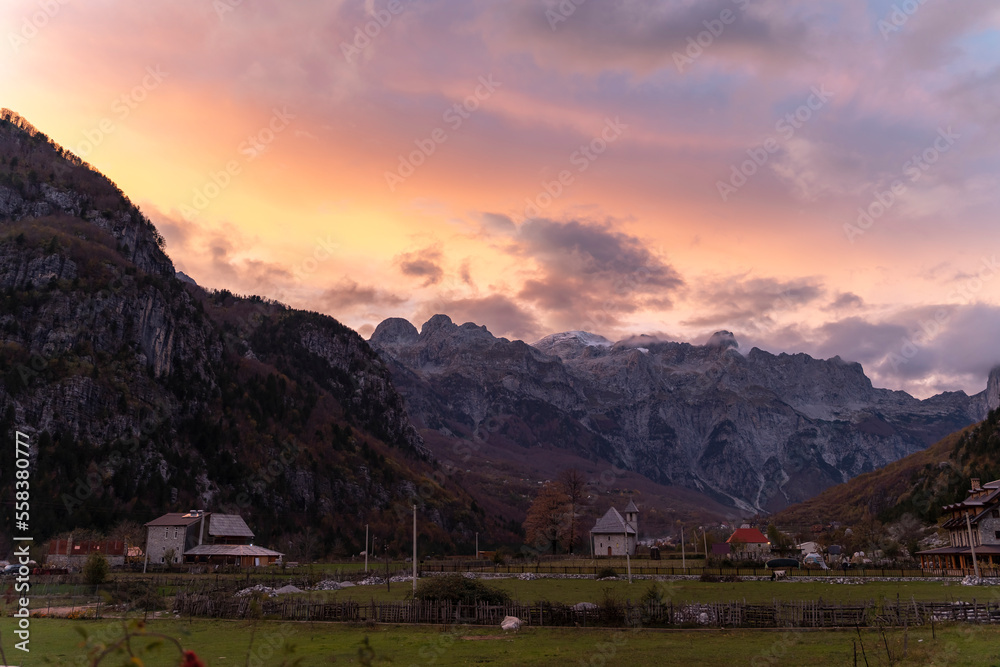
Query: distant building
point(205, 537)
point(749, 543)
point(67, 553)
point(982, 507)
point(615, 535)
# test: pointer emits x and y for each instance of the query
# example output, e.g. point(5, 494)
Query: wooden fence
point(655, 570)
point(735, 614)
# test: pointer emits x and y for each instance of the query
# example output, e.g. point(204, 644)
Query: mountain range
point(144, 393)
point(755, 431)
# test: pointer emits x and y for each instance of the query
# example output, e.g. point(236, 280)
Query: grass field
point(228, 643)
point(588, 590)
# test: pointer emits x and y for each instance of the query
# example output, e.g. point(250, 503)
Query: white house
point(615, 535)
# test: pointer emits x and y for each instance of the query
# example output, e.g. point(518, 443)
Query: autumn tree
point(546, 526)
point(575, 487)
point(779, 540)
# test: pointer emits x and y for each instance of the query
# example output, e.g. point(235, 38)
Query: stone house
point(615, 535)
point(205, 537)
point(975, 520)
point(172, 535)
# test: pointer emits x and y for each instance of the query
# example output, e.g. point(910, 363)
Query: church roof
point(631, 507)
point(612, 523)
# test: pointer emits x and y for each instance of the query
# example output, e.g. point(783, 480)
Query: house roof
point(612, 523)
point(631, 507)
point(228, 525)
point(175, 519)
point(230, 550)
point(981, 550)
point(748, 536)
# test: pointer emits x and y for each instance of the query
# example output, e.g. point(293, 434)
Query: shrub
point(655, 594)
point(95, 571)
point(606, 572)
point(457, 588)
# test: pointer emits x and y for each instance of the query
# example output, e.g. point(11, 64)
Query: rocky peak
point(437, 323)
point(723, 340)
point(571, 344)
point(394, 332)
point(993, 389)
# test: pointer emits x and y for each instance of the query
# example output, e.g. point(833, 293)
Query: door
point(609, 551)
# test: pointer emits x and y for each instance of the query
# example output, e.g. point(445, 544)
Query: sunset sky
point(618, 166)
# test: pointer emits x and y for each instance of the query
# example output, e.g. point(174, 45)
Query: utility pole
point(683, 557)
point(968, 525)
point(704, 539)
point(628, 563)
point(414, 550)
point(366, 548)
point(385, 548)
point(477, 546)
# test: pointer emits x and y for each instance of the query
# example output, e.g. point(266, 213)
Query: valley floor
point(58, 642)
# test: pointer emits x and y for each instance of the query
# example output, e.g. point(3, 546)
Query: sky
point(818, 177)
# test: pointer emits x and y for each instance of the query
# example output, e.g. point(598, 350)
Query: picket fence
point(734, 614)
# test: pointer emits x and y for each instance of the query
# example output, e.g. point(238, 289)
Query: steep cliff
point(144, 393)
point(758, 431)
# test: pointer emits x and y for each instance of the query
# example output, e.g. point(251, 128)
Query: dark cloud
point(645, 34)
point(590, 274)
point(846, 300)
point(497, 223)
point(422, 264)
point(212, 255)
point(348, 294)
point(501, 315)
point(750, 303)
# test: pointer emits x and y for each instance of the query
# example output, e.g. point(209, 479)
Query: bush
point(458, 588)
point(606, 572)
point(95, 571)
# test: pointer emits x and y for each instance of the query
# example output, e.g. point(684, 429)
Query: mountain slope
point(759, 431)
point(146, 394)
point(919, 484)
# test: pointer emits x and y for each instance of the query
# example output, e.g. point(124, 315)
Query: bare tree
point(575, 487)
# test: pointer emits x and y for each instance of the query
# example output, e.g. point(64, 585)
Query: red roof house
point(747, 542)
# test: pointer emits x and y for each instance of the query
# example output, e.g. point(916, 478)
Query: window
point(175, 533)
point(996, 534)
point(996, 514)
point(166, 532)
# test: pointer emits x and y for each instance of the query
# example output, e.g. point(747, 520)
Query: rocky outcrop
point(758, 430)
